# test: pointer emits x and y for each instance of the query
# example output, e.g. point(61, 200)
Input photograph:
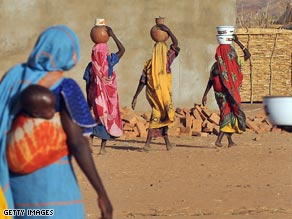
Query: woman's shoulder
point(69, 87)
point(76, 103)
point(69, 84)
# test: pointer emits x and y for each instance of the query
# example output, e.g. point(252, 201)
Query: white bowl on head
point(225, 30)
point(225, 39)
point(278, 109)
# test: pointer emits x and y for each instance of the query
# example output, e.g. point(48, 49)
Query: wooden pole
point(271, 67)
point(250, 71)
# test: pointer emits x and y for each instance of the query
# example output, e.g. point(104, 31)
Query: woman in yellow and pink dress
point(157, 78)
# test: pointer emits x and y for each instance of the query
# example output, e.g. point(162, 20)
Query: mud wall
point(192, 21)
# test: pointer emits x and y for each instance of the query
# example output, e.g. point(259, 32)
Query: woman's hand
point(105, 208)
point(204, 100)
point(109, 31)
point(169, 32)
point(163, 28)
point(235, 38)
point(134, 101)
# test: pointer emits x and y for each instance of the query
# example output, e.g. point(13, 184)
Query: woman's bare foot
point(170, 146)
point(232, 144)
point(102, 152)
point(219, 139)
point(218, 144)
point(230, 141)
point(102, 147)
point(146, 148)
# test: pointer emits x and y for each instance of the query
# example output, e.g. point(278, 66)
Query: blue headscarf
point(57, 49)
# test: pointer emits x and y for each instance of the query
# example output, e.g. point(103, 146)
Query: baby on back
point(36, 138)
point(38, 102)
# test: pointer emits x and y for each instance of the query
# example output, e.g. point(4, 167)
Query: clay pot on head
point(156, 33)
point(99, 34)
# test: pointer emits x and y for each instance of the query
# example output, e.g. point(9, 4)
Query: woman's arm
point(208, 87)
point(214, 71)
point(244, 49)
point(169, 32)
point(79, 147)
point(120, 46)
point(138, 91)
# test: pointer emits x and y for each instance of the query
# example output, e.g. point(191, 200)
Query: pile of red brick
point(197, 121)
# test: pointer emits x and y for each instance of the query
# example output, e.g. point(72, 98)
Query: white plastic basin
point(225, 39)
point(225, 30)
point(278, 109)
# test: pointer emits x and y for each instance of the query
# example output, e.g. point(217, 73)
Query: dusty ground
point(195, 180)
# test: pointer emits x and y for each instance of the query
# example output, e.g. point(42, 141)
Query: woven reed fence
point(269, 70)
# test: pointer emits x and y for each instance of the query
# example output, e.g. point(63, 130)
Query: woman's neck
point(51, 78)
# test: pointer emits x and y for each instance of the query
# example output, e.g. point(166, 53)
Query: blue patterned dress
point(55, 186)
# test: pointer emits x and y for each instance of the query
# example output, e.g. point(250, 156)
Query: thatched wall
point(269, 71)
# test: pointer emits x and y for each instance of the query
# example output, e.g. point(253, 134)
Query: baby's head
point(38, 102)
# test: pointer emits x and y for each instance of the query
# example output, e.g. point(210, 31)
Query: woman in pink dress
point(102, 92)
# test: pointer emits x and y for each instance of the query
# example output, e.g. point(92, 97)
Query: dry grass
point(259, 13)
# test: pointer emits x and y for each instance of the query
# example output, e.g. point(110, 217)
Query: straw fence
point(269, 70)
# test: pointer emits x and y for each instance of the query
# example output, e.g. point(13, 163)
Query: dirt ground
point(252, 180)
